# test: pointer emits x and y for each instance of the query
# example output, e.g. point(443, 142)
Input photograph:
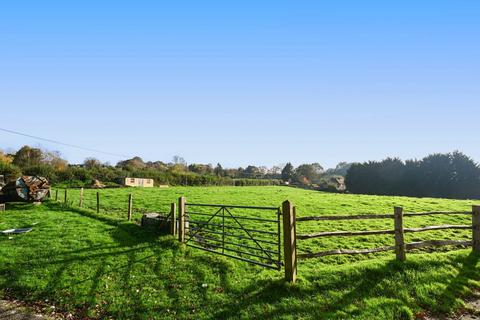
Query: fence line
point(400, 247)
point(179, 226)
point(96, 204)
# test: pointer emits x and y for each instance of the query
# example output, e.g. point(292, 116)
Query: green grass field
point(101, 266)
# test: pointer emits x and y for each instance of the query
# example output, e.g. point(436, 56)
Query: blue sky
point(242, 82)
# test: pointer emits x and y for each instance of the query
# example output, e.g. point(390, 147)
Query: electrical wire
point(63, 143)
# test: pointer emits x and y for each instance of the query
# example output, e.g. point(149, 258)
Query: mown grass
point(101, 266)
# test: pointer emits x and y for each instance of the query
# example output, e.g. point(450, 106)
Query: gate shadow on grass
point(80, 274)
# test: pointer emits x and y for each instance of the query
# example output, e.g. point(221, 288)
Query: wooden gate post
point(399, 234)
point(173, 219)
point(80, 204)
point(65, 197)
point(56, 194)
point(181, 219)
point(289, 241)
point(476, 229)
point(130, 207)
point(98, 202)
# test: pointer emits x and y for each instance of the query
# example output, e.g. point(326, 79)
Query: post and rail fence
point(399, 232)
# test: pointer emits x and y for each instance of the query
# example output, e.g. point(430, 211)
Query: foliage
point(340, 170)
point(308, 173)
point(5, 158)
point(92, 163)
point(451, 175)
point(34, 161)
point(28, 156)
point(10, 171)
point(287, 172)
point(218, 171)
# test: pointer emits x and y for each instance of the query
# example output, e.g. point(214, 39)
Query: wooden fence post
point(173, 218)
point(80, 204)
point(65, 199)
point(399, 234)
point(56, 194)
point(476, 229)
point(181, 219)
point(2, 207)
point(98, 202)
point(289, 241)
point(130, 206)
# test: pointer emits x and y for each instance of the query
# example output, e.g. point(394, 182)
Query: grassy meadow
point(102, 266)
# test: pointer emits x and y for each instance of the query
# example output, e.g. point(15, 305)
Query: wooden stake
point(65, 200)
point(80, 204)
point(476, 229)
point(130, 206)
point(56, 195)
point(173, 219)
point(290, 243)
point(399, 234)
point(98, 202)
point(181, 219)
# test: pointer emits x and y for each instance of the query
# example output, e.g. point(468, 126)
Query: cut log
point(26, 188)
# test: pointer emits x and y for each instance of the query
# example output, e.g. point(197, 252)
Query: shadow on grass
point(346, 294)
point(323, 294)
point(126, 233)
point(137, 249)
point(459, 286)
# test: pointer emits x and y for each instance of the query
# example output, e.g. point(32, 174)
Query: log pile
point(26, 188)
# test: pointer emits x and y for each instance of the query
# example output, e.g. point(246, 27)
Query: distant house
point(137, 182)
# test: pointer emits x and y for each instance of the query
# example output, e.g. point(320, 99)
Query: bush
point(10, 171)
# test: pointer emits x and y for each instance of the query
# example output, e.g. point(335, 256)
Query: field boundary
point(399, 231)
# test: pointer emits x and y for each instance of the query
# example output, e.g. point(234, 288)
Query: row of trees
point(34, 161)
point(451, 175)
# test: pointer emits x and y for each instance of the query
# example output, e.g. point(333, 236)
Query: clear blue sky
point(243, 82)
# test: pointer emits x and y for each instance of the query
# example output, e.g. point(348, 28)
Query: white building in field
point(137, 182)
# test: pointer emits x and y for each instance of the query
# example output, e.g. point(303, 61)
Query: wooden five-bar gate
point(247, 233)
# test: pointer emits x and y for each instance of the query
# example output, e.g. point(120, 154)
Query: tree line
point(35, 161)
point(450, 175)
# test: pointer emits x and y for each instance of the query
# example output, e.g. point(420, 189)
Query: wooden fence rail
point(379, 216)
point(400, 247)
point(376, 232)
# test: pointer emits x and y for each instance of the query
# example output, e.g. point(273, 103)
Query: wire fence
point(118, 206)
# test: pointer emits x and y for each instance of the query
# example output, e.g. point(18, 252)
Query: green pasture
point(102, 266)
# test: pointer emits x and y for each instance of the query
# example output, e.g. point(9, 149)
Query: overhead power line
point(62, 143)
